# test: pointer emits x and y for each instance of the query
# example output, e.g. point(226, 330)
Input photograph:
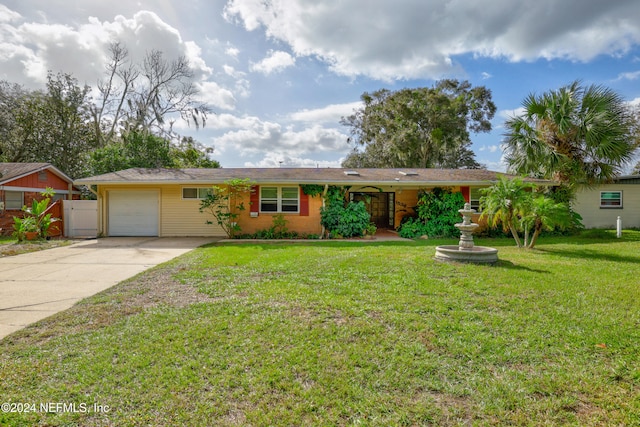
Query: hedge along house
point(21, 183)
point(165, 202)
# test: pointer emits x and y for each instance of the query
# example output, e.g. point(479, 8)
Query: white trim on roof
point(36, 190)
point(53, 169)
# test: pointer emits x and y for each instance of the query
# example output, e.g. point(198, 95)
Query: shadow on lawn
point(592, 254)
point(511, 266)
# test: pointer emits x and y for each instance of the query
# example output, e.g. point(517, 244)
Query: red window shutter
point(255, 199)
point(304, 203)
point(466, 193)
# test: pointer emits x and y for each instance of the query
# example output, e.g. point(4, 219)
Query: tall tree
point(12, 98)
point(147, 96)
point(138, 149)
point(48, 126)
point(574, 134)
point(635, 125)
point(422, 127)
point(192, 154)
point(134, 150)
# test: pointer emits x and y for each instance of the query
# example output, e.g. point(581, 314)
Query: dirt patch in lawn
point(153, 288)
point(9, 249)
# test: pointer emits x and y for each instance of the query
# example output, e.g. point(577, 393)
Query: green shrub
point(412, 228)
point(36, 217)
point(437, 215)
point(341, 218)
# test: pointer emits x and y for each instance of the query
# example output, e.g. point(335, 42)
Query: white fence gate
point(80, 218)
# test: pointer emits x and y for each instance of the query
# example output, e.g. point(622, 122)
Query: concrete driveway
point(36, 285)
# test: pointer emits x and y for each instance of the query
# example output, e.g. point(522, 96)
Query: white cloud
point(233, 52)
point(629, 76)
point(489, 148)
point(635, 102)
point(509, 114)
point(329, 114)
point(275, 61)
point(29, 49)
point(274, 160)
point(492, 165)
point(422, 39)
point(216, 96)
point(8, 15)
point(251, 136)
point(230, 121)
point(486, 76)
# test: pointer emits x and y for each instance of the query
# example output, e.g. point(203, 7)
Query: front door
point(378, 207)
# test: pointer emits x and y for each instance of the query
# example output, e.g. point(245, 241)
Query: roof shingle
point(335, 176)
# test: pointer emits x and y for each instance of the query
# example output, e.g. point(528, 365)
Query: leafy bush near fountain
point(437, 214)
point(342, 218)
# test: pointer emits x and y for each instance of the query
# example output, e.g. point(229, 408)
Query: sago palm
point(574, 134)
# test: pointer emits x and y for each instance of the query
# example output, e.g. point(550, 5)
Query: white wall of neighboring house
point(589, 204)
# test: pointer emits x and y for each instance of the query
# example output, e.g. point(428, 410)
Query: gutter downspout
point(95, 193)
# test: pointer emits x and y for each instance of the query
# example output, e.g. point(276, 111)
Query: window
point(280, 199)
point(14, 200)
point(196, 193)
point(611, 199)
point(474, 198)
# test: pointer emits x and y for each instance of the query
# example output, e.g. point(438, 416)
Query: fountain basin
point(476, 254)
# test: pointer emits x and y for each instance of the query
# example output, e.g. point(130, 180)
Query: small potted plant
point(25, 228)
point(36, 220)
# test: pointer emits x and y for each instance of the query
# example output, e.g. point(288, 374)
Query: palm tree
point(545, 214)
point(506, 202)
point(576, 135)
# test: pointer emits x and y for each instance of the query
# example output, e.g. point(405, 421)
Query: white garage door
point(133, 213)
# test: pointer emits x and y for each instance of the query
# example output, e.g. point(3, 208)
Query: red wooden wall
point(42, 180)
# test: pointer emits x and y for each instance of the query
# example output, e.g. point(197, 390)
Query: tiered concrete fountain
point(466, 251)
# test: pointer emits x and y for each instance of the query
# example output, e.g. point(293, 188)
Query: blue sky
point(281, 73)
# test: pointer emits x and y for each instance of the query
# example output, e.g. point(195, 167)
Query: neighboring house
point(20, 183)
point(601, 206)
point(165, 202)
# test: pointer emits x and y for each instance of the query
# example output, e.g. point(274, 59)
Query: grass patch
point(344, 333)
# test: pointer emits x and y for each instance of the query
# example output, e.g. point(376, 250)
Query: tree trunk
point(536, 233)
point(514, 233)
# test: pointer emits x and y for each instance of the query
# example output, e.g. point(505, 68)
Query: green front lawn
point(344, 333)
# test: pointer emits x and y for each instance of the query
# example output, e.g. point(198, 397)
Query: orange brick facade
point(308, 220)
